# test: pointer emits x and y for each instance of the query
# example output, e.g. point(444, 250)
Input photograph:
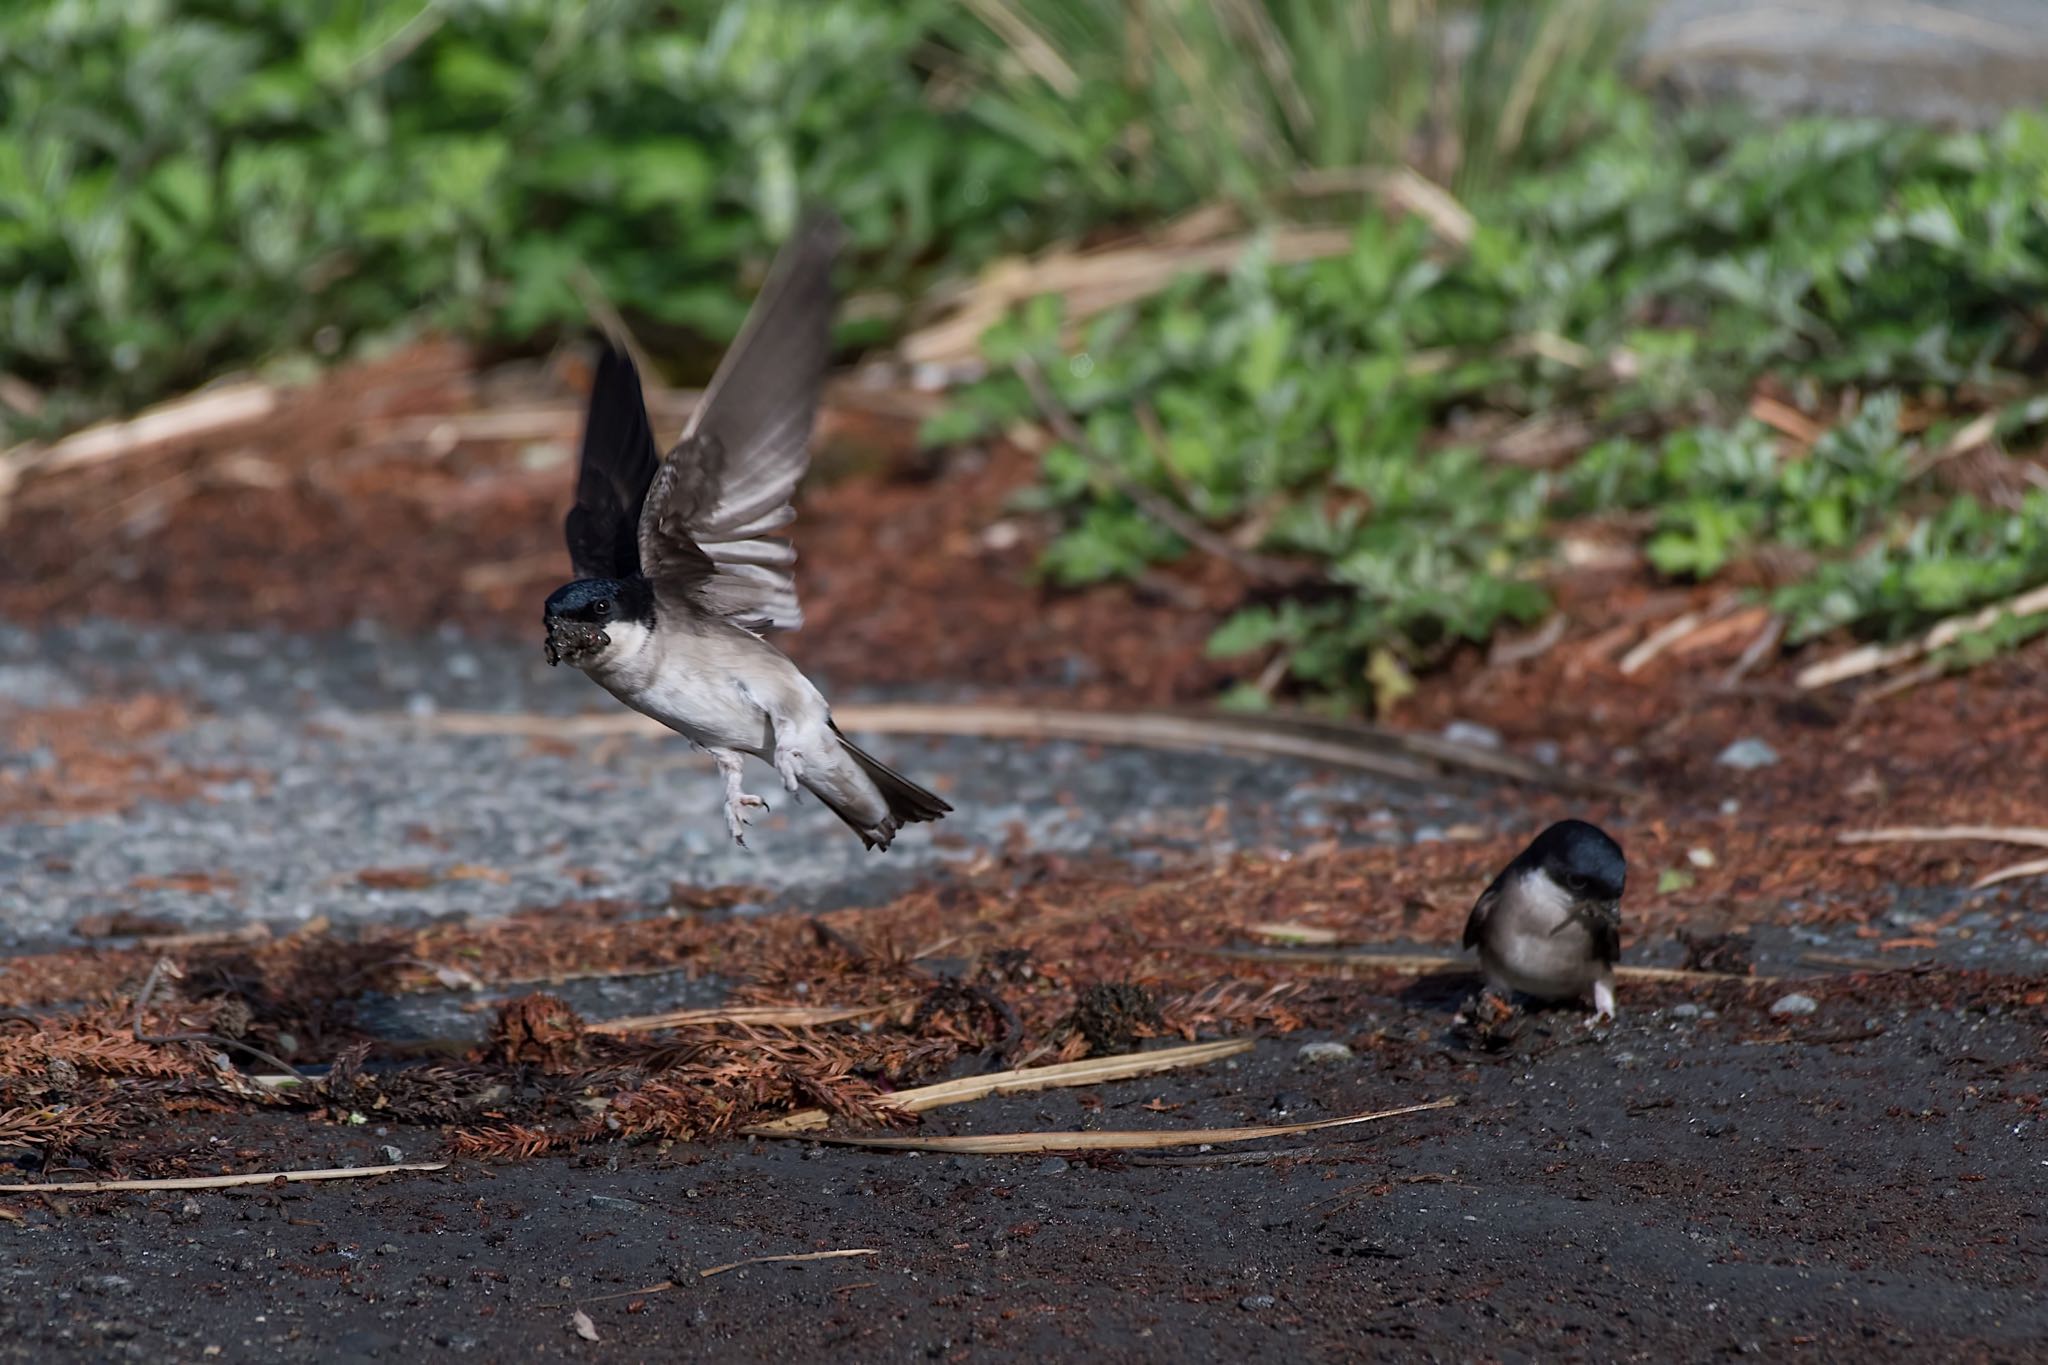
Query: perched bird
point(1550, 924)
point(678, 572)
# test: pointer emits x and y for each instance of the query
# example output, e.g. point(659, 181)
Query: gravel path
point(339, 770)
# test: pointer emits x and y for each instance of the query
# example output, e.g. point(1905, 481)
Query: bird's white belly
point(1534, 945)
point(1539, 963)
point(693, 696)
point(711, 711)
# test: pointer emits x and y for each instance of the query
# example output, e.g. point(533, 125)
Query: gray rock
point(1795, 1003)
point(1052, 1165)
point(611, 1203)
point(1686, 1010)
point(1746, 754)
point(1470, 733)
point(113, 1286)
point(36, 686)
point(1252, 1303)
point(1323, 1054)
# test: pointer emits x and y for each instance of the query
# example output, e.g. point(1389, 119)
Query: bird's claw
point(789, 766)
point(735, 817)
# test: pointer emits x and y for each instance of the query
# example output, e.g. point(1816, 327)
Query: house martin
point(1550, 924)
point(679, 574)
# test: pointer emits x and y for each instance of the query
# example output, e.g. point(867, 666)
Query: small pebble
point(1687, 1010)
point(1052, 1165)
point(611, 1203)
point(1748, 753)
point(1252, 1303)
point(1472, 734)
point(1323, 1054)
point(1288, 1103)
point(1795, 1003)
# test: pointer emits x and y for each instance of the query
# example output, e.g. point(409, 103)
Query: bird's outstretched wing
point(617, 466)
point(706, 534)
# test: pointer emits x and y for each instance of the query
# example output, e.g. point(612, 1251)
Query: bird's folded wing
point(618, 463)
point(707, 533)
point(1475, 923)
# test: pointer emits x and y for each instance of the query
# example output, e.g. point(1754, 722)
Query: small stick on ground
point(783, 1016)
point(1875, 658)
point(1928, 834)
point(1420, 964)
point(1754, 652)
point(2033, 868)
point(1011, 1144)
point(792, 1258)
point(1087, 1071)
point(225, 1182)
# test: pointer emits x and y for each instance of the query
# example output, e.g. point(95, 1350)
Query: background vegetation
point(1760, 355)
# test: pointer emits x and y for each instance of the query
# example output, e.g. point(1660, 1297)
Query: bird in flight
point(680, 574)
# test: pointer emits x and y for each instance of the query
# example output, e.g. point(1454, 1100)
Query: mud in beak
point(571, 640)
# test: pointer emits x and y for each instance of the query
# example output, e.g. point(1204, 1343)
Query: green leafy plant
point(186, 184)
point(1361, 413)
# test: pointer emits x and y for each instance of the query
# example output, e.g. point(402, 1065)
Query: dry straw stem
point(1875, 658)
point(225, 1182)
point(181, 419)
point(1423, 963)
point(2034, 868)
point(1009, 1144)
point(664, 1286)
point(1087, 1071)
point(1341, 744)
point(1990, 834)
point(786, 1016)
point(1094, 282)
point(1929, 834)
point(790, 1259)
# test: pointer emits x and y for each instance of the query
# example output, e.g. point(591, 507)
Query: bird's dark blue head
point(577, 614)
point(1581, 858)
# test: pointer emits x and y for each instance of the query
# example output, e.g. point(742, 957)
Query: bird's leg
point(737, 802)
point(789, 766)
point(1603, 1001)
point(789, 759)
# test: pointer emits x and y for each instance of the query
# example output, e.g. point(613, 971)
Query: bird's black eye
point(601, 608)
point(1574, 881)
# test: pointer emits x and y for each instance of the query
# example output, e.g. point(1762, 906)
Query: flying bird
point(1550, 923)
point(679, 574)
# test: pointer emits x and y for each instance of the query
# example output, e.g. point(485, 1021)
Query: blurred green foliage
point(1169, 102)
point(190, 183)
point(1639, 292)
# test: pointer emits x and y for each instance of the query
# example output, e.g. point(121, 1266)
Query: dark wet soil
point(1854, 1182)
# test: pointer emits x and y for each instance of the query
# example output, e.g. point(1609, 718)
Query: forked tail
point(909, 804)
